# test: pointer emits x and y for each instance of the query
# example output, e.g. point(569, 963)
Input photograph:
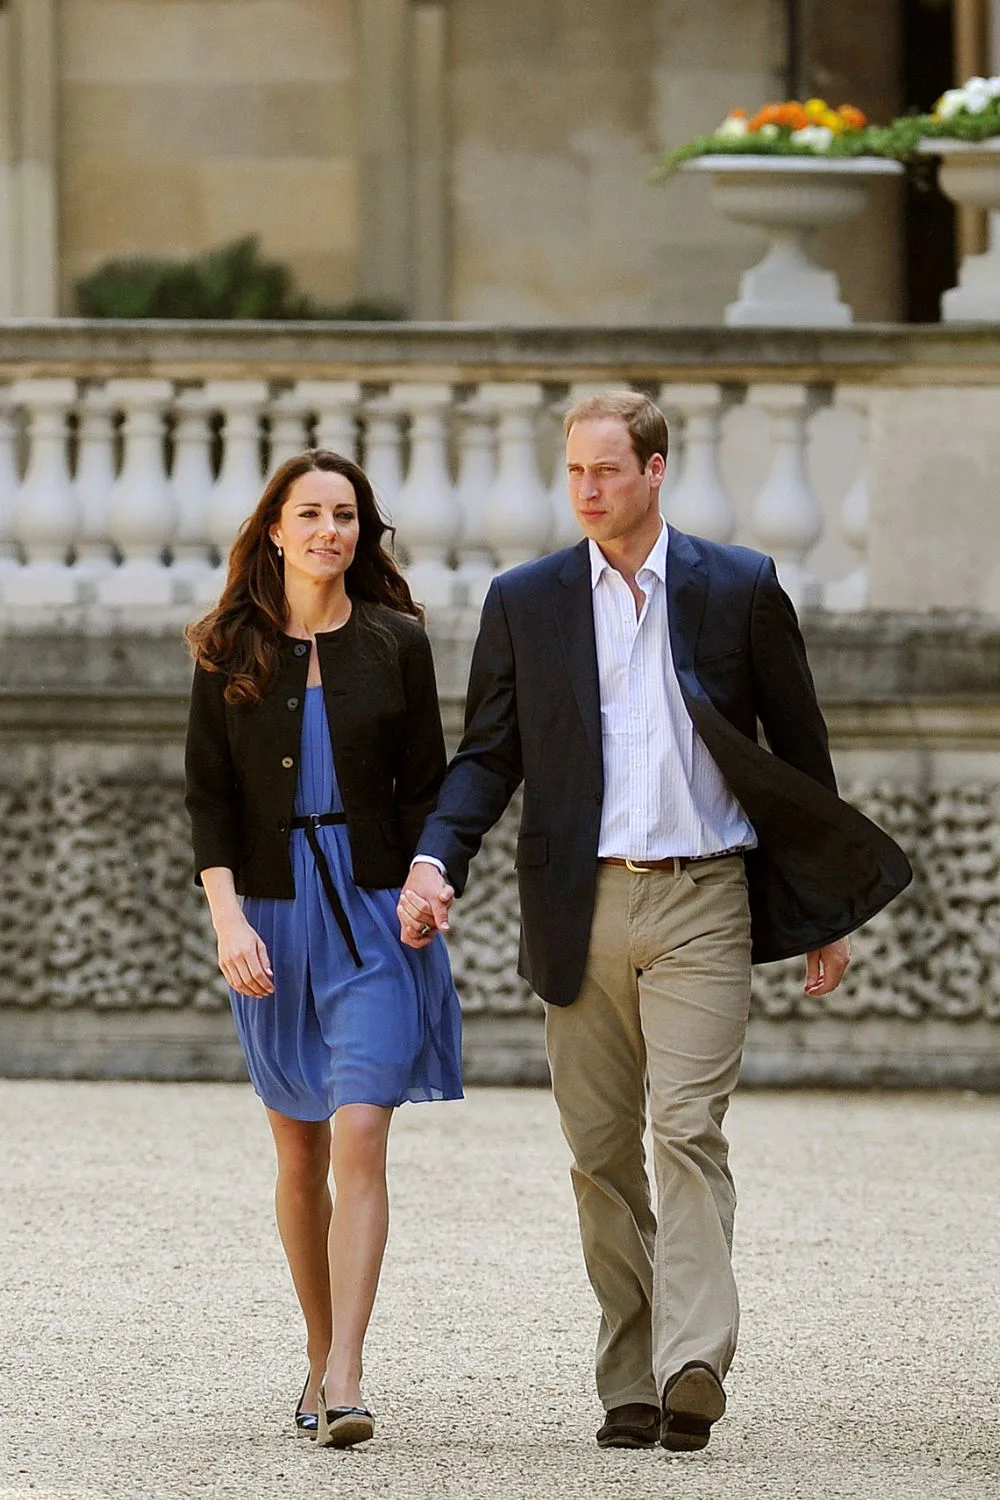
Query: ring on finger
point(424, 930)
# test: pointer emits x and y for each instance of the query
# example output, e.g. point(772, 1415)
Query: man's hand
point(826, 967)
point(423, 905)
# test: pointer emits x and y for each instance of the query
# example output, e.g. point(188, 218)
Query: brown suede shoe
point(633, 1426)
point(692, 1400)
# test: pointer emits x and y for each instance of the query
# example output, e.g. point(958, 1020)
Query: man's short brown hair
point(647, 426)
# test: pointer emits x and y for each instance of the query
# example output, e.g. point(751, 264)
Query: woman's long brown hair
point(241, 635)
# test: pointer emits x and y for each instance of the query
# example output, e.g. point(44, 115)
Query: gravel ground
point(151, 1344)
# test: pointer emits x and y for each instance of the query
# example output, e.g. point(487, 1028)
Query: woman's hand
point(243, 958)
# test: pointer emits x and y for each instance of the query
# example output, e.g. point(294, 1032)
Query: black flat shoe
point(692, 1400)
point(342, 1426)
point(305, 1421)
point(633, 1426)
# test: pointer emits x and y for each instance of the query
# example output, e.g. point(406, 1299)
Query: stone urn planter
point(790, 197)
point(970, 174)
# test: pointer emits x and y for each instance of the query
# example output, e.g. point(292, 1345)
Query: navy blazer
point(388, 750)
point(821, 869)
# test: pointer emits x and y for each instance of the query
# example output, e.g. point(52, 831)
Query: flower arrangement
point(969, 113)
point(814, 128)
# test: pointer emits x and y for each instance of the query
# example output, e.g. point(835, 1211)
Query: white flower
point(950, 104)
point(977, 95)
point(769, 132)
point(993, 84)
point(732, 128)
point(816, 137)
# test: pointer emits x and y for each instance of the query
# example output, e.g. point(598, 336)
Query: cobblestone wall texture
point(100, 911)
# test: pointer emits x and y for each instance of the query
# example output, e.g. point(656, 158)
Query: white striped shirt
point(663, 793)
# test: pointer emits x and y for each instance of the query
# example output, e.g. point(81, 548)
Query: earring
point(280, 553)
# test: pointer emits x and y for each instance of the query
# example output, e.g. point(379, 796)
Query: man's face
point(611, 496)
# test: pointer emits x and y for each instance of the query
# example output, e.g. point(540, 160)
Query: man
point(662, 849)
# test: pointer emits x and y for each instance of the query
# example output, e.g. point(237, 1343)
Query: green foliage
point(233, 281)
point(898, 140)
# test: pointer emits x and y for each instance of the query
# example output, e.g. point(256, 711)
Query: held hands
point(243, 958)
point(423, 906)
point(826, 967)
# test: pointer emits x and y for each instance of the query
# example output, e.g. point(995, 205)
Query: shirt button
point(293, 703)
point(301, 648)
point(287, 762)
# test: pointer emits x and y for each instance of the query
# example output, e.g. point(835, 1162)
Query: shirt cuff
point(428, 859)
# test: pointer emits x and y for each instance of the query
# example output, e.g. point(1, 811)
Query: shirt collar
point(656, 562)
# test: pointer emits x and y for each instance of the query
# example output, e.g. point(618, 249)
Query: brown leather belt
point(675, 863)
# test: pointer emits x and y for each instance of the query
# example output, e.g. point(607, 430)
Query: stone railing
point(863, 459)
point(129, 454)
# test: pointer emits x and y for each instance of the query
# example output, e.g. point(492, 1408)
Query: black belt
point(327, 820)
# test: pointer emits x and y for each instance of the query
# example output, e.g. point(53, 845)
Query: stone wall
point(464, 159)
point(186, 123)
point(106, 954)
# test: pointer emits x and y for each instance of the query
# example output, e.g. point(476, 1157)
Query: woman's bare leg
point(302, 1207)
point(358, 1229)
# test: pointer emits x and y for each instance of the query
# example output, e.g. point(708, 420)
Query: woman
point(314, 753)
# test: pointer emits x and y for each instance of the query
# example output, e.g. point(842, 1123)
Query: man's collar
point(656, 562)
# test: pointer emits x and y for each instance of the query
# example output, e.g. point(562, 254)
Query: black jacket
point(388, 749)
point(533, 714)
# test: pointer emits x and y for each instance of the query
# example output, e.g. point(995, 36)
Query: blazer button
point(293, 703)
point(282, 825)
point(287, 762)
point(301, 648)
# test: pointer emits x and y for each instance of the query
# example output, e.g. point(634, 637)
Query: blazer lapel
point(575, 622)
point(687, 590)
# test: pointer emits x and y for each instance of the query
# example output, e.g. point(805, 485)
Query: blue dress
point(333, 1033)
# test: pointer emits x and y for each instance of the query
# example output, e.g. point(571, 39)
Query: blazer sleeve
point(486, 770)
point(211, 790)
point(422, 758)
point(784, 692)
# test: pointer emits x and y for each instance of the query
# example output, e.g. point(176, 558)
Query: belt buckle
point(315, 820)
point(637, 869)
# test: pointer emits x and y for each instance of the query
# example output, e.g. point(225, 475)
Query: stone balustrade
point(129, 456)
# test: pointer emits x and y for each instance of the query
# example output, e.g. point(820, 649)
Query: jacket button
point(293, 703)
point(287, 762)
point(301, 648)
point(282, 825)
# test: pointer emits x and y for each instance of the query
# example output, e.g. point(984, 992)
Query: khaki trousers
point(662, 1015)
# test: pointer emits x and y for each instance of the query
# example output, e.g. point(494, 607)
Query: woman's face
point(318, 527)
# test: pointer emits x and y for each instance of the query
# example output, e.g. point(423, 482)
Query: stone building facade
point(464, 159)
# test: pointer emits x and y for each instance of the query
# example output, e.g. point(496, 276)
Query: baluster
point(95, 478)
point(518, 522)
point(476, 473)
point(191, 482)
point(698, 500)
point(9, 482)
point(45, 517)
point(289, 428)
point(335, 403)
point(238, 486)
point(427, 511)
point(787, 518)
point(384, 452)
point(141, 510)
point(852, 592)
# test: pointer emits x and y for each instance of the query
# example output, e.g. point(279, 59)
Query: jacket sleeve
point(211, 790)
point(784, 692)
point(422, 758)
point(486, 771)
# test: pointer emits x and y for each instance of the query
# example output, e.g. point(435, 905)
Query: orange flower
point(854, 119)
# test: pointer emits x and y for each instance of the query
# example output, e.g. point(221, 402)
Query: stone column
point(29, 271)
point(430, 147)
point(384, 41)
